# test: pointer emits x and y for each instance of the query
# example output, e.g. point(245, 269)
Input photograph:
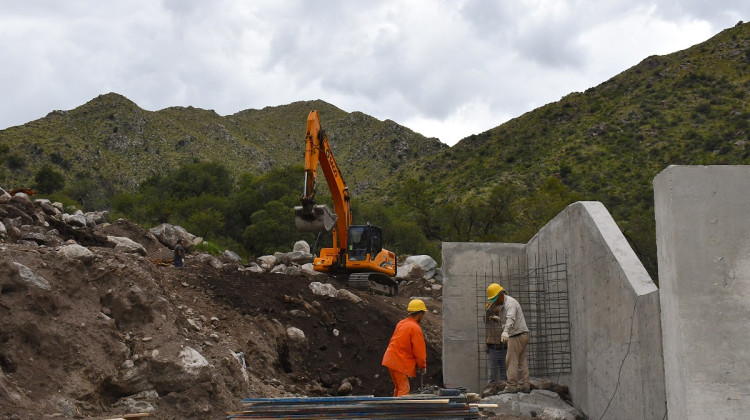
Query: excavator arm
point(312, 217)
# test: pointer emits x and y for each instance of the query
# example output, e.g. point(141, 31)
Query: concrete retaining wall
point(462, 264)
point(616, 350)
point(703, 239)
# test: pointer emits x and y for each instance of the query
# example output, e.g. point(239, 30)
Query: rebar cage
point(542, 291)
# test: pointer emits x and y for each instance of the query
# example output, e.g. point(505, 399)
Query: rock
point(94, 218)
point(302, 246)
point(76, 219)
point(323, 289)
point(438, 275)
point(556, 414)
point(232, 255)
point(310, 271)
point(299, 314)
point(209, 259)
point(76, 252)
point(48, 208)
point(294, 257)
point(168, 235)
point(192, 361)
point(126, 245)
point(345, 388)
point(293, 270)
point(418, 266)
point(279, 269)
point(21, 277)
point(300, 257)
point(254, 268)
point(295, 334)
point(344, 294)
point(22, 202)
point(267, 262)
point(133, 378)
point(524, 404)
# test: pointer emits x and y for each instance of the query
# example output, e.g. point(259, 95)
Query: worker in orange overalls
point(406, 351)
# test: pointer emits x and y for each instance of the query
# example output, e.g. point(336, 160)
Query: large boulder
point(323, 289)
point(76, 252)
point(267, 262)
point(294, 257)
point(417, 267)
point(94, 218)
point(210, 260)
point(301, 246)
point(23, 202)
point(76, 219)
point(169, 234)
point(126, 245)
point(16, 276)
point(48, 208)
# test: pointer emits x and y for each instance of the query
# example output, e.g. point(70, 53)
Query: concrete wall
point(462, 264)
point(616, 349)
point(703, 239)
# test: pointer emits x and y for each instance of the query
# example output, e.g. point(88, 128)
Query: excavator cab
point(364, 242)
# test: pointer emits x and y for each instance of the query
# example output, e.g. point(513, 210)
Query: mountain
point(691, 107)
point(117, 144)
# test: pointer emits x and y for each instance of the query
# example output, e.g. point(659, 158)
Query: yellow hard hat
point(416, 305)
point(493, 290)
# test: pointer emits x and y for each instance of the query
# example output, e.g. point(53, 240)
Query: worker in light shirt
point(516, 335)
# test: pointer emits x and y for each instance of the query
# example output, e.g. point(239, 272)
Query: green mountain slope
point(691, 107)
point(113, 142)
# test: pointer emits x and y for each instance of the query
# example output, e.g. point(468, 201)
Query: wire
point(632, 321)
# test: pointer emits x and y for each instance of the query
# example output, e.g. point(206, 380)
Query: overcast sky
point(445, 69)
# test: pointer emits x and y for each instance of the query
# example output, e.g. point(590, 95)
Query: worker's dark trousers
point(518, 368)
point(496, 363)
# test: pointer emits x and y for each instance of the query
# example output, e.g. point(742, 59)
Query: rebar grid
point(542, 292)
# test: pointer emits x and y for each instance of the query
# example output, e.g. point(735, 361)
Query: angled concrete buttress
point(703, 240)
point(617, 369)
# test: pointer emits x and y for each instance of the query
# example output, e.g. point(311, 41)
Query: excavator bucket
point(321, 219)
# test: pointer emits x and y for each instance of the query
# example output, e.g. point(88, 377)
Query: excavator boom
point(357, 250)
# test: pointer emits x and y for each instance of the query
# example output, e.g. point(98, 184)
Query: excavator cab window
point(359, 242)
point(364, 240)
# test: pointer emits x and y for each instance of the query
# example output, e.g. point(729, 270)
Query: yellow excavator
point(357, 252)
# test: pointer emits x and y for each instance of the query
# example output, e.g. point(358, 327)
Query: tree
point(47, 180)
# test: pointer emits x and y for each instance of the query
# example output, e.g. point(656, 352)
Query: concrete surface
point(463, 263)
point(616, 347)
point(703, 239)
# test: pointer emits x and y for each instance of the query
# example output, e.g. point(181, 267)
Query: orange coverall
point(405, 351)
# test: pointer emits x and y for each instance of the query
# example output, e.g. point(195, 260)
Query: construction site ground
point(104, 339)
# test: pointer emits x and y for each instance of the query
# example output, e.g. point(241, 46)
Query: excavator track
point(374, 282)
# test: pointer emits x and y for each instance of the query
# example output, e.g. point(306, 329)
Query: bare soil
point(106, 337)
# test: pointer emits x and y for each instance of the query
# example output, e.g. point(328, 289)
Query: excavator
point(357, 254)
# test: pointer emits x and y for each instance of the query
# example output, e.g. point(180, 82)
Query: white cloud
point(443, 68)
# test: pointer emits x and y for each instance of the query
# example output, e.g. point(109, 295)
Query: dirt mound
point(106, 333)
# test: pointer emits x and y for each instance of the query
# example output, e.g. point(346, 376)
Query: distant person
point(179, 254)
point(407, 351)
point(496, 349)
point(516, 334)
